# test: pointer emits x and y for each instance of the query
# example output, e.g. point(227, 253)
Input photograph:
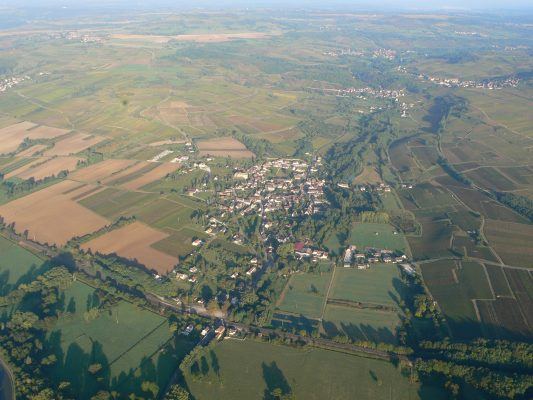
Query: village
point(364, 92)
point(8, 83)
point(389, 54)
point(484, 84)
point(275, 185)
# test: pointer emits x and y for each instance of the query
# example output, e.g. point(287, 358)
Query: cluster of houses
point(370, 255)
point(187, 277)
point(385, 53)
point(208, 333)
point(215, 227)
point(8, 83)
point(363, 93)
point(466, 33)
point(484, 84)
point(253, 267)
point(281, 184)
point(82, 37)
point(389, 54)
point(303, 252)
point(379, 188)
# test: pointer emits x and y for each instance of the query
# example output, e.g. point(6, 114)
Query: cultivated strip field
point(30, 151)
point(13, 135)
point(166, 142)
point(512, 241)
point(45, 167)
point(224, 147)
point(51, 216)
point(153, 175)
point(123, 175)
point(100, 171)
point(25, 167)
point(74, 144)
point(133, 242)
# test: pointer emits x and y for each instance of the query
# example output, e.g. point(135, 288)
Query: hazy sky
point(345, 4)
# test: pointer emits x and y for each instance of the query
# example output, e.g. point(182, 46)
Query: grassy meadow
point(252, 370)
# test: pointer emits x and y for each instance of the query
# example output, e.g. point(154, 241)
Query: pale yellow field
point(30, 151)
point(224, 147)
point(133, 242)
point(12, 136)
point(73, 144)
point(101, 170)
point(51, 216)
point(157, 173)
point(45, 167)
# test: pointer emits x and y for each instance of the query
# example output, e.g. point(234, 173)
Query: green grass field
point(16, 265)
point(376, 235)
point(305, 293)
point(361, 324)
point(112, 203)
point(124, 339)
point(250, 370)
point(380, 284)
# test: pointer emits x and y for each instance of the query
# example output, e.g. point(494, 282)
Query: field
point(223, 147)
point(511, 241)
point(112, 203)
point(44, 168)
point(452, 295)
point(251, 370)
point(14, 135)
point(17, 265)
point(160, 171)
point(475, 302)
point(100, 171)
point(434, 242)
point(305, 294)
point(123, 338)
point(73, 144)
point(378, 285)
point(134, 242)
point(51, 216)
point(361, 324)
point(381, 236)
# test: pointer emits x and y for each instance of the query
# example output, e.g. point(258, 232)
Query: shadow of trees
point(276, 383)
point(85, 365)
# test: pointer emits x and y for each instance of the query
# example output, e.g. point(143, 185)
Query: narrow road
point(327, 293)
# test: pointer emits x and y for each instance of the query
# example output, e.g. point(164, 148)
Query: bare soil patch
point(25, 167)
point(74, 144)
point(13, 135)
point(31, 151)
point(224, 147)
point(134, 242)
point(131, 170)
point(51, 216)
point(153, 175)
point(100, 171)
point(45, 168)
